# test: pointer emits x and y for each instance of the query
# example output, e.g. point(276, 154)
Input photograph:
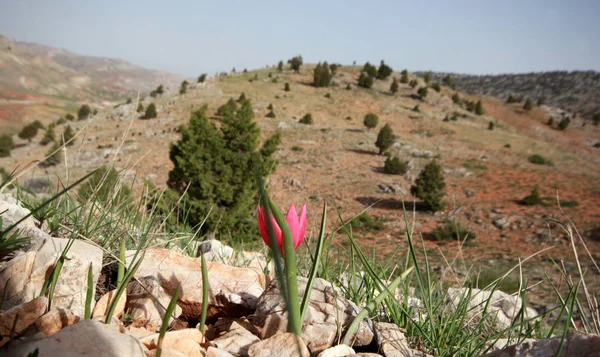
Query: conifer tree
point(321, 75)
point(202, 78)
point(365, 80)
point(6, 145)
point(430, 186)
point(404, 77)
point(53, 156)
point(295, 63)
point(385, 138)
point(67, 136)
point(49, 136)
point(427, 77)
point(84, 112)
point(150, 112)
point(371, 120)
point(280, 66)
point(394, 86)
point(183, 88)
point(384, 71)
point(528, 105)
point(479, 108)
point(28, 132)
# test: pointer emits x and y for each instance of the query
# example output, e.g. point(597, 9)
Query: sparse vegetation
point(413, 83)
point(183, 87)
point(452, 230)
point(427, 77)
point(539, 160)
point(228, 108)
point(436, 86)
point(295, 63)
point(479, 108)
point(422, 92)
point(202, 78)
point(430, 186)
point(52, 156)
point(280, 66)
point(28, 132)
point(449, 81)
point(394, 86)
point(49, 136)
point(365, 80)
point(491, 125)
point(84, 112)
point(533, 198)
point(404, 76)
point(416, 109)
point(528, 105)
point(371, 120)
point(150, 112)
point(306, 119)
point(394, 166)
point(456, 99)
point(270, 114)
point(67, 136)
point(69, 117)
point(6, 145)
point(385, 138)
point(286, 87)
point(321, 75)
point(564, 123)
point(297, 148)
point(140, 108)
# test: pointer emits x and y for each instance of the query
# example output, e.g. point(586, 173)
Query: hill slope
point(38, 82)
point(576, 91)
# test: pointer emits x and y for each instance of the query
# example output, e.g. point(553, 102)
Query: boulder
point(575, 345)
point(85, 338)
point(392, 342)
point(21, 317)
point(328, 316)
point(55, 320)
point(24, 275)
point(236, 339)
point(214, 250)
point(281, 345)
point(146, 299)
point(233, 291)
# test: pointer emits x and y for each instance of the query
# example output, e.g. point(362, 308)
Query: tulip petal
point(292, 219)
point(301, 227)
point(264, 231)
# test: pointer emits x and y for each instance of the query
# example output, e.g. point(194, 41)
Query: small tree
point(286, 87)
point(160, 89)
point(533, 198)
point(6, 144)
point(404, 77)
point(385, 138)
point(550, 121)
point(370, 70)
point(84, 112)
point(140, 108)
point(321, 75)
point(564, 123)
point(38, 124)
point(348, 86)
point(67, 136)
point(413, 83)
point(394, 166)
point(422, 92)
point(49, 136)
point(306, 119)
point(228, 108)
point(270, 114)
point(427, 77)
point(479, 108)
point(449, 81)
point(456, 99)
point(28, 132)
point(242, 98)
point(384, 71)
point(295, 63)
point(491, 125)
point(52, 156)
point(280, 66)
point(183, 87)
point(596, 119)
point(69, 117)
point(365, 80)
point(153, 94)
point(128, 101)
point(430, 186)
point(436, 86)
point(150, 112)
point(334, 67)
point(371, 120)
point(511, 99)
point(394, 86)
point(528, 105)
point(202, 78)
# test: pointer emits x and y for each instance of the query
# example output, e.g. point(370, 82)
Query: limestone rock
point(232, 291)
point(575, 345)
point(337, 351)
point(85, 338)
point(214, 250)
point(281, 345)
point(55, 320)
point(25, 274)
point(12, 211)
point(328, 313)
point(215, 352)
point(236, 339)
point(103, 304)
point(171, 338)
point(147, 299)
point(20, 317)
point(392, 341)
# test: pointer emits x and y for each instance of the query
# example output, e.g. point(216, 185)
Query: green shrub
point(242, 98)
point(328, 95)
point(596, 145)
point(491, 125)
point(160, 89)
point(286, 87)
point(150, 112)
point(306, 119)
point(478, 108)
point(512, 99)
point(295, 63)
point(430, 186)
point(394, 166)
point(539, 160)
point(67, 136)
point(370, 70)
point(532, 199)
point(69, 117)
point(384, 71)
point(38, 124)
point(84, 112)
point(202, 78)
point(528, 105)
point(413, 83)
point(297, 148)
point(140, 108)
point(456, 99)
point(436, 86)
point(422, 92)
point(28, 132)
point(215, 168)
point(280, 66)
point(128, 101)
point(385, 138)
point(564, 123)
point(270, 107)
point(49, 136)
point(6, 145)
point(394, 86)
point(371, 120)
point(348, 87)
point(60, 121)
point(364, 222)
point(452, 230)
point(365, 80)
point(550, 121)
point(596, 119)
point(228, 108)
point(183, 87)
point(449, 81)
point(427, 77)
point(321, 75)
point(104, 186)
point(507, 146)
point(53, 156)
point(270, 114)
point(404, 77)
point(416, 109)
point(348, 117)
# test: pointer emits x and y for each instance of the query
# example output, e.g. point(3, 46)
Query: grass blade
point(204, 293)
point(315, 267)
point(89, 294)
point(165, 323)
point(130, 272)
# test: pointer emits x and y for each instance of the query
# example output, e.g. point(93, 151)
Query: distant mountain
point(577, 91)
point(38, 81)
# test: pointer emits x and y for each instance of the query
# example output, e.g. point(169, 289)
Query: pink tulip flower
point(297, 226)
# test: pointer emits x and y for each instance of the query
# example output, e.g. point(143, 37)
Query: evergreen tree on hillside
point(67, 136)
point(449, 81)
point(49, 136)
point(160, 89)
point(384, 71)
point(215, 168)
point(404, 77)
point(430, 186)
point(6, 145)
point(528, 105)
point(370, 70)
point(183, 87)
point(28, 132)
point(422, 92)
point(371, 120)
point(295, 63)
point(150, 112)
point(436, 86)
point(427, 77)
point(321, 75)
point(202, 78)
point(394, 86)
point(564, 123)
point(385, 138)
point(84, 112)
point(280, 66)
point(479, 108)
point(365, 80)
point(52, 156)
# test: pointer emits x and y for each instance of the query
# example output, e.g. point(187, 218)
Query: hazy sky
point(191, 37)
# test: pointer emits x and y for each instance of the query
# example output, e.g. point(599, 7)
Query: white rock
point(337, 351)
point(148, 300)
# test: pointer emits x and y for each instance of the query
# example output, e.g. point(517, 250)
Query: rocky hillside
point(38, 82)
point(576, 91)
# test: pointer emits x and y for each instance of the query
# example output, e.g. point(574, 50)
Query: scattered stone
point(281, 345)
point(55, 320)
point(102, 305)
point(12, 211)
point(233, 291)
point(328, 315)
point(392, 342)
point(215, 352)
point(236, 340)
point(337, 351)
point(502, 223)
point(575, 345)
point(20, 317)
point(147, 300)
point(391, 188)
point(423, 154)
point(85, 338)
point(469, 192)
point(173, 338)
point(214, 250)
